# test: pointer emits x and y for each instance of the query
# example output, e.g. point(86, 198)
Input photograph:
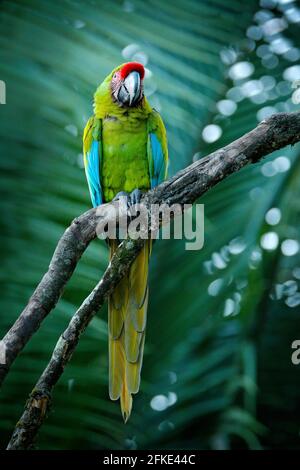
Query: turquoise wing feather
point(157, 149)
point(92, 152)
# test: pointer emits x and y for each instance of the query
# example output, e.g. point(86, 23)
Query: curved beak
point(131, 89)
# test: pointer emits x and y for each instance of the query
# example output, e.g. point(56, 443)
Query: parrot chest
point(124, 159)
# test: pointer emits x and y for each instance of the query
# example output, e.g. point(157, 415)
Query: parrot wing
point(92, 154)
point(157, 149)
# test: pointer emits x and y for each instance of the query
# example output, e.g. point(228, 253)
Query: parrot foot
point(131, 198)
point(135, 196)
point(120, 195)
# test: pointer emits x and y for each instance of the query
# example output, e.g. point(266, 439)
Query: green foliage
point(227, 379)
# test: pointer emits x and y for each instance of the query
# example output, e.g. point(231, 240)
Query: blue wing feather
point(92, 171)
point(158, 165)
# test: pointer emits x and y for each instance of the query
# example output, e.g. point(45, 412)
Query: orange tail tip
point(126, 403)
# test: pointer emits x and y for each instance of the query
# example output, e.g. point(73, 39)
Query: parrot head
point(127, 84)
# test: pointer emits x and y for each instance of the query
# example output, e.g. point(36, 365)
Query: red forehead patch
point(130, 67)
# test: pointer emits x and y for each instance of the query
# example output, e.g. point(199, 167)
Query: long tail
point(127, 313)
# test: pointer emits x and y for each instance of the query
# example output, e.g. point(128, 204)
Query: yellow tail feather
point(126, 402)
point(127, 312)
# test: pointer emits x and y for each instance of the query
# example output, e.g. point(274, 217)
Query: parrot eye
point(115, 75)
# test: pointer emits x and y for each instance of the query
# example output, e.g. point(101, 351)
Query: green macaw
point(125, 151)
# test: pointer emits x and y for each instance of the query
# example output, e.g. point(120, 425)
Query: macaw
point(125, 152)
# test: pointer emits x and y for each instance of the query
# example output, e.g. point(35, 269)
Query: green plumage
point(125, 162)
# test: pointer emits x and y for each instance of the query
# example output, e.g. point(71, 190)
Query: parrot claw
point(124, 197)
point(119, 195)
point(131, 199)
point(135, 197)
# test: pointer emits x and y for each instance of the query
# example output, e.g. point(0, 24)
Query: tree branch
point(40, 398)
point(68, 251)
point(184, 188)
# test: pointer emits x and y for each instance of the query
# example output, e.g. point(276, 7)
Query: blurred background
point(217, 369)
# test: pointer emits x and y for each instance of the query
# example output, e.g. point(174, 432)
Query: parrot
point(125, 154)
